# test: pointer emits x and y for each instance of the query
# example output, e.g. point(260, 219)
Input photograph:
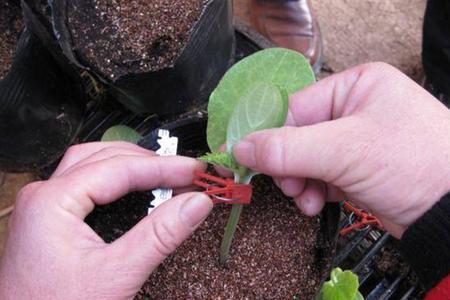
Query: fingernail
point(196, 209)
point(244, 152)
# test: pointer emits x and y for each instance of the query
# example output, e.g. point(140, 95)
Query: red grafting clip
point(224, 190)
point(363, 218)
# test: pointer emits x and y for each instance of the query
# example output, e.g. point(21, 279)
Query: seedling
point(121, 133)
point(252, 96)
point(343, 285)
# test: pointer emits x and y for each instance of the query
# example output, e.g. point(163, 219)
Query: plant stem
point(244, 177)
point(229, 233)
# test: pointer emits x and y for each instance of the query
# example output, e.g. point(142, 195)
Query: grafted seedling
point(252, 96)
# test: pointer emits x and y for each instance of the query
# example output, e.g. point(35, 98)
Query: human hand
point(52, 254)
point(370, 135)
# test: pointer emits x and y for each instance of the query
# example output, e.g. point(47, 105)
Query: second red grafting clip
point(224, 190)
point(363, 218)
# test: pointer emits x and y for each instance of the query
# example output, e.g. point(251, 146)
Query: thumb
point(322, 151)
point(146, 245)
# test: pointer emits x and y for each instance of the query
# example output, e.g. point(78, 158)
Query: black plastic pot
point(40, 110)
point(206, 57)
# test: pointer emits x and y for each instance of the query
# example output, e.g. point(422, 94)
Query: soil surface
point(120, 37)
point(391, 261)
point(274, 254)
point(11, 26)
point(113, 220)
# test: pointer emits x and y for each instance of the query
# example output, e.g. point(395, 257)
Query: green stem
point(244, 177)
point(229, 233)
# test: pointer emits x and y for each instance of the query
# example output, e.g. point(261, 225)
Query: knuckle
point(270, 158)
point(28, 192)
point(73, 150)
point(29, 189)
point(380, 69)
point(119, 157)
point(110, 151)
point(165, 239)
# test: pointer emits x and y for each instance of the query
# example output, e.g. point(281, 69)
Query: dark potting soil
point(274, 254)
point(120, 37)
point(113, 220)
point(391, 262)
point(11, 26)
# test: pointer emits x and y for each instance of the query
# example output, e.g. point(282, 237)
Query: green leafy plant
point(252, 96)
point(343, 285)
point(121, 133)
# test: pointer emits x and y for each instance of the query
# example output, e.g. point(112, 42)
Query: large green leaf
point(284, 68)
point(341, 286)
point(121, 133)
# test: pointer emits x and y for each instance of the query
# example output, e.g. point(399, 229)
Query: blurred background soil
point(354, 32)
point(357, 31)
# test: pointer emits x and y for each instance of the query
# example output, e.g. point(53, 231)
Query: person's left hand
point(51, 253)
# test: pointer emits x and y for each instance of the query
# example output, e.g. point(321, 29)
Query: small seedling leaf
point(265, 106)
point(343, 285)
point(221, 159)
point(284, 68)
point(121, 133)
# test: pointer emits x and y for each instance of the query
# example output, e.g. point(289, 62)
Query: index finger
point(105, 181)
point(80, 152)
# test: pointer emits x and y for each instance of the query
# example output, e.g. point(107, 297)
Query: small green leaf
point(284, 68)
point(121, 133)
point(263, 107)
point(341, 286)
point(359, 296)
point(221, 159)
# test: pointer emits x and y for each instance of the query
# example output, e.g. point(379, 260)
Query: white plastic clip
point(168, 147)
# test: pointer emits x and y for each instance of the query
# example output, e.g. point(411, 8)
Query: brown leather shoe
point(289, 24)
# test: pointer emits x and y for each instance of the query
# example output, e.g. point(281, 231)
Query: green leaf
point(359, 296)
point(263, 107)
point(121, 133)
point(284, 68)
point(221, 159)
point(341, 286)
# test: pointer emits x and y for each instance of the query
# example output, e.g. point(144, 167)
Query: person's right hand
point(369, 134)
